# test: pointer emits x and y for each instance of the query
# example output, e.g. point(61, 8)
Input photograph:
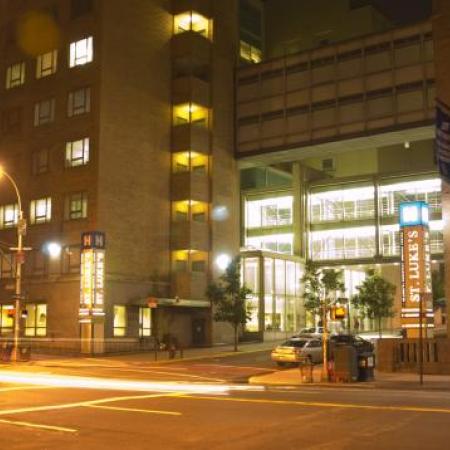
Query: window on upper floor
point(44, 112)
point(12, 120)
point(190, 113)
point(40, 162)
point(192, 21)
point(79, 8)
point(77, 153)
point(269, 212)
point(79, 102)
point(249, 52)
point(189, 161)
point(15, 75)
point(41, 210)
point(81, 52)
point(9, 215)
point(76, 206)
point(46, 64)
point(71, 259)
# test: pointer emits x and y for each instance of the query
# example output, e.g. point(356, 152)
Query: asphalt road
point(125, 407)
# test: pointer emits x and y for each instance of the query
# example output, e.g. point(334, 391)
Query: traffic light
point(338, 313)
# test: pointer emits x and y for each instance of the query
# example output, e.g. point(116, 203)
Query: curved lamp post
point(21, 230)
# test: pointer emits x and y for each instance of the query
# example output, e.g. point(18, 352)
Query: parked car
point(311, 331)
point(295, 349)
point(361, 345)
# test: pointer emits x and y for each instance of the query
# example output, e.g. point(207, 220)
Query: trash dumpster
point(306, 367)
point(366, 366)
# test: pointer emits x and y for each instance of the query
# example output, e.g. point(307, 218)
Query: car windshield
point(294, 343)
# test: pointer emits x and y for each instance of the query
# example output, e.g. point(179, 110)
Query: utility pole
point(325, 374)
point(421, 296)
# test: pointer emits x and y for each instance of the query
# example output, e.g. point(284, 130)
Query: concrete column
point(93, 337)
point(299, 219)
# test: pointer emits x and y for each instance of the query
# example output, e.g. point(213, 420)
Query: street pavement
point(205, 402)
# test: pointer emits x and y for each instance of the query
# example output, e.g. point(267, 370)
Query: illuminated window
point(120, 320)
point(190, 113)
point(192, 21)
point(145, 321)
point(81, 52)
point(77, 152)
point(269, 212)
point(76, 206)
point(391, 195)
point(189, 161)
point(189, 210)
point(6, 319)
point(46, 64)
point(15, 75)
point(9, 215)
point(44, 112)
point(41, 210)
point(250, 53)
point(347, 243)
point(36, 320)
point(79, 102)
point(39, 161)
point(343, 204)
point(281, 243)
point(193, 260)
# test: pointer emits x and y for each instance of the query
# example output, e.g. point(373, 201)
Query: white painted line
point(38, 425)
point(24, 388)
point(147, 411)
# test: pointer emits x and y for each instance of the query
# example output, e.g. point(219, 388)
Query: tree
point(312, 288)
point(375, 298)
point(230, 299)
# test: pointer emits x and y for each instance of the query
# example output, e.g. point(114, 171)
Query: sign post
point(92, 285)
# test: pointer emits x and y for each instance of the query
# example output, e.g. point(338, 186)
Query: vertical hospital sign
point(92, 276)
point(416, 267)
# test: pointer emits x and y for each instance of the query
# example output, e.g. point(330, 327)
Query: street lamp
point(21, 230)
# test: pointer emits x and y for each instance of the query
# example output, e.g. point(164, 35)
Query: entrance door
point(198, 332)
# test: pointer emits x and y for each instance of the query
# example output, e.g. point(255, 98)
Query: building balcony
point(190, 185)
point(190, 50)
point(190, 234)
point(200, 6)
point(189, 285)
point(190, 137)
point(189, 89)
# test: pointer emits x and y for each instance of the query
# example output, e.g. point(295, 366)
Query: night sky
point(404, 11)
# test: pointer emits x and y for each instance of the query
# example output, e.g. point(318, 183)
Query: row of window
point(75, 207)
point(36, 320)
point(80, 53)
point(76, 154)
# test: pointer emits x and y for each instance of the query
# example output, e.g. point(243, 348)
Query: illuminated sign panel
point(92, 276)
point(416, 267)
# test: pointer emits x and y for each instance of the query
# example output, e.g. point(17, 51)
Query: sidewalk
point(146, 358)
point(383, 380)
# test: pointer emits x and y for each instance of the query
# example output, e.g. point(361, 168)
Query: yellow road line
point(80, 404)
point(324, 404)
point(37, 425)
point(148, 411)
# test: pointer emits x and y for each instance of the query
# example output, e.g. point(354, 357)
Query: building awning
point(154, 302)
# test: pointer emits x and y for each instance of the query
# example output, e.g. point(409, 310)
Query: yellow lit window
point(189, 161)
point(120, 320)
point(189, 260)
point(145, 321)
point(41, 210)
point(250, 53)
point(46, 64)
point(36, 320)
point(9, 215)
point(6, 319)
point(190, 210)
point(15, 75)
point(192, 21)
point(190, 113)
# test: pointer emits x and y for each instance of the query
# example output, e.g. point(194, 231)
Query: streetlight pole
point(21, 230)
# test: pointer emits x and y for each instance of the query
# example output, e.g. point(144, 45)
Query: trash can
point(366, 366)
point(24, 353)
point(306, 367)
point(345, 364)
point(6, 351)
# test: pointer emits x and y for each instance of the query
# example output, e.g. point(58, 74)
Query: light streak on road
point(65, 381)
